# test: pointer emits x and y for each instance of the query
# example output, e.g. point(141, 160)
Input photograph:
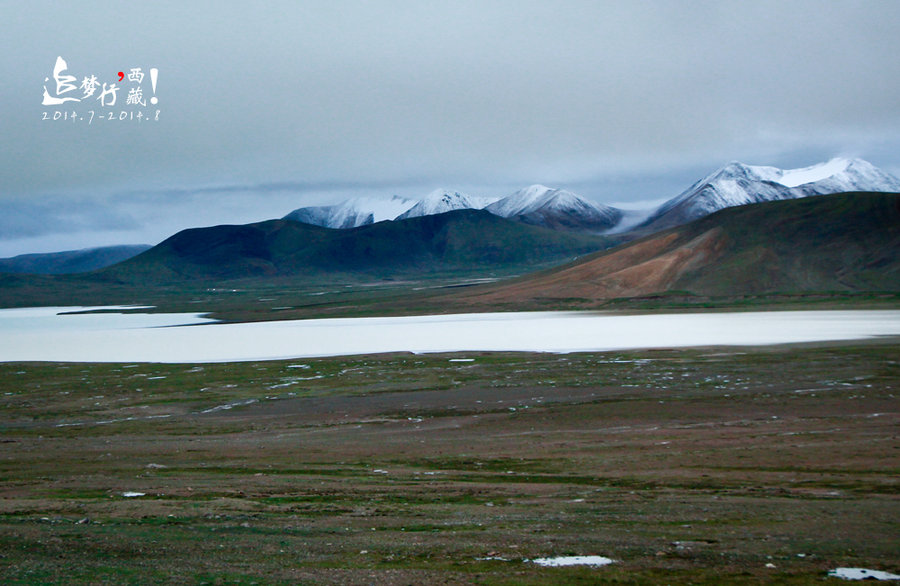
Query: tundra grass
point(700, 466)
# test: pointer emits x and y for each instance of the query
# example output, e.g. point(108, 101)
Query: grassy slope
point(840, 242)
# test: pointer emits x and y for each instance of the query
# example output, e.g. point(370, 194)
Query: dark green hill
point(841, 242)
point(836, 242)
point(70, 261)
point(459, 240)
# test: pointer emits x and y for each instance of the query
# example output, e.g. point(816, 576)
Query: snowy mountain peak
point(739, 184)
point(792, 177)
point(533, 198)
point(440, 201)
point(351, 213)
point(533, 193)
point(737, 171)
point(444, 195)
point(542, 205)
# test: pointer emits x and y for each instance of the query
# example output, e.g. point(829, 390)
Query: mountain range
point(537, 205)
point(732, 185)
point(303, 242)
point(842, 242)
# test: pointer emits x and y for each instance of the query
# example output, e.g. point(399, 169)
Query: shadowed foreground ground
point(703, 466)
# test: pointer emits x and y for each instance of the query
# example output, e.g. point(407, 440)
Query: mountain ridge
point(440, 201)
point(537, 205)
point(731, 185)
point(70, 261)
point(352, 213)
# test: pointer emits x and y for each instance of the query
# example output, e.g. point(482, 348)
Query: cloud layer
point(620, 100)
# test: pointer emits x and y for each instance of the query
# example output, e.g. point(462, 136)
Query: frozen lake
point(48, 334)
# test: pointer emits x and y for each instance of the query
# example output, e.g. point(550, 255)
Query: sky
point(269, 106)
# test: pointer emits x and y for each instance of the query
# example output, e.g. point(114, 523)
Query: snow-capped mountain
point(352, 212)
point(555, 208)
point(440, 201)
point(738, 184)
point(839, 175)
point(540, 205)
point(733, 185)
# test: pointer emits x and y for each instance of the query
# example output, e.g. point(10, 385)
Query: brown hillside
point(842, 242)
point(645, 267)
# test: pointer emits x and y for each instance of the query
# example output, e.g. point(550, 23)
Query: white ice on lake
point(59, 319)
point(862, 574)
point(43, 334)
point(573, 560)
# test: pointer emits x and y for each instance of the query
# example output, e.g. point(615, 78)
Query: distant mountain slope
point(555, 208)
point(462, 239)
point(352, 213)
point(70, 261)
point(738, 184)
point(841, 242)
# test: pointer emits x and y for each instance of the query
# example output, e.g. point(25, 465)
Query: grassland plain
point(701, 466)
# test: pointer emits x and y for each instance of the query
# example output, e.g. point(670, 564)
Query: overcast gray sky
point(269, 106)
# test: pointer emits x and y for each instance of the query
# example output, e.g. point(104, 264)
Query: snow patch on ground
point(573, 560)
point(862, 574)
point(229, 406)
